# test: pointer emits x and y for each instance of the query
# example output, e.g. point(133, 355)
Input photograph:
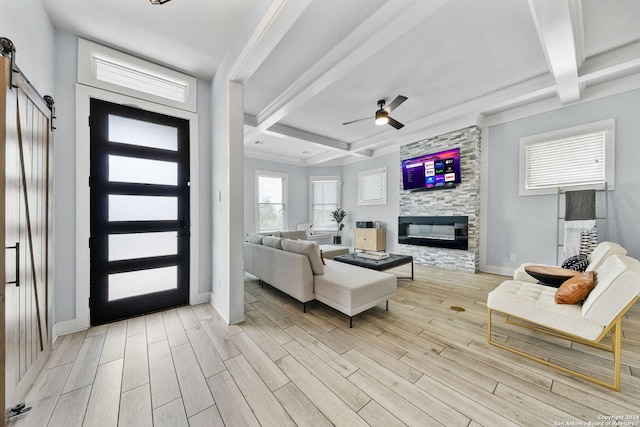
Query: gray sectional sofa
point(296, 268)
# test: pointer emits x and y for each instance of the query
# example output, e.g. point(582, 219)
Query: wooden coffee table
point(392, 261)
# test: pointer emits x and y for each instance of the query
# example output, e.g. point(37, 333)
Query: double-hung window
point(271, 195)
point(325, 198)
point(575, 158)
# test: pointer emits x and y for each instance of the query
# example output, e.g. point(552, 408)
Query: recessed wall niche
point(463, 200)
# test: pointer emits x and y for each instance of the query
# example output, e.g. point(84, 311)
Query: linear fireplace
point(450, 232)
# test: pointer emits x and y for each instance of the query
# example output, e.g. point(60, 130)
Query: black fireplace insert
point(450, 232)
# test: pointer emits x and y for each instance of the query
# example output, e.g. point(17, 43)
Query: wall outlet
point(512, 257)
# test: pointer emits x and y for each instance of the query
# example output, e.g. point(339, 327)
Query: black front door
point(139, 182)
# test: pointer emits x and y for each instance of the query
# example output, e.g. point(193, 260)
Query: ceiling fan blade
point(395, 103)
point(396, 124)
point(356, 121)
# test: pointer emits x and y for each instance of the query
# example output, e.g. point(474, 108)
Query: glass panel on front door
point(139, 212)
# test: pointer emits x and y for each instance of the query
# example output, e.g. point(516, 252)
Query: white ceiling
point(460, 62)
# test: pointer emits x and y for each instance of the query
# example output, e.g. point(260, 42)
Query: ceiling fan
point(382, 115)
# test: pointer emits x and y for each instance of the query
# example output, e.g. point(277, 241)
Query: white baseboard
point(67, 327)
point(201, 298)
point(494, 269)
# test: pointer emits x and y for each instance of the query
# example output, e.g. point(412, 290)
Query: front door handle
point(17, 248)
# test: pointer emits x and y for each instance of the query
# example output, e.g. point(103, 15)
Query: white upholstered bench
point(617, 289)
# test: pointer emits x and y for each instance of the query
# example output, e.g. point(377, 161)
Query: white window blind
point(325, 198)
point(271, 194)
point(574, 158)
point(566, 162)
point(372, 187)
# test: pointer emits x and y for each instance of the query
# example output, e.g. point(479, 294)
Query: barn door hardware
point(19, 409)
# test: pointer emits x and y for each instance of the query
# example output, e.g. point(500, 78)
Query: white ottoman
point(331, 251)
point(351, 289)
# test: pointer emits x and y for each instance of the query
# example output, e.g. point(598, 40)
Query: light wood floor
point(421, 363)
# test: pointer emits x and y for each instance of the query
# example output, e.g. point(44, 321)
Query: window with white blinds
point(325, 198)
point(372, 187)
point(580, 157)
point(271, 200)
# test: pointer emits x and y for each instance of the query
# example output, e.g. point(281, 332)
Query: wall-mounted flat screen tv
point(432, 171)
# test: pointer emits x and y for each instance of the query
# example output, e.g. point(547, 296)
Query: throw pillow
point(576, 263)
point(272, 242)
point(308, 248)
point(255, 238)
point(322, 257)
point(576, 289)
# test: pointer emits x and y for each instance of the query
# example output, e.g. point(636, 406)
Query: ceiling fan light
point(382, 118)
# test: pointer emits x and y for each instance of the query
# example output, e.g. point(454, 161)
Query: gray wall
point(65, 176)
point(27, 25)
point(387, 214)
point(526, 226)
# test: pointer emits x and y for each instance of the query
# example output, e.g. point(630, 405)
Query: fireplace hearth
point(451, 232)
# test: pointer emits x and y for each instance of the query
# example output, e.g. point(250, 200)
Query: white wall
point(387, 214)
point(65, 176)
point(526, 226)
point(27, 25)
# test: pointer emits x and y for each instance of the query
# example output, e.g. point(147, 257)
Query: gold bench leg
point(616, 341)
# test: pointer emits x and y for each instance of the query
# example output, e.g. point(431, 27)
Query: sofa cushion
point(294, 234)
point(255, 238)
point(308, 248)
point(270, 233)
point(575, 289)
point(272, 242)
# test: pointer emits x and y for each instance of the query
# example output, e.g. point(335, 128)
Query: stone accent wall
point(462, 200)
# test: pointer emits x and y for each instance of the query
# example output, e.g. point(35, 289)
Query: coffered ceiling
point(459, 62)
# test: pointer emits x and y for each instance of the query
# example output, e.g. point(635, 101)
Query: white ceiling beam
point(280, 16)
point(388, 23)
point(626, 58)
point(288, 132)
point(554, 22)
point(334, 155)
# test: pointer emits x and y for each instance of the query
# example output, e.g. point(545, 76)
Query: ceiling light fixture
point(159, 1)
point(382, 117)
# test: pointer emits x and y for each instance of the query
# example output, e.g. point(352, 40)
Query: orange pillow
point(576, 288)
point(322, 258)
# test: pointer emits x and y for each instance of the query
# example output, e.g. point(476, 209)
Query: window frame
point(312, 179)
point(285, 191)
point(382, 200)
point(607, 126)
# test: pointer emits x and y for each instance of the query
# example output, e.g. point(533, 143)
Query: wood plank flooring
point(419, 364)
